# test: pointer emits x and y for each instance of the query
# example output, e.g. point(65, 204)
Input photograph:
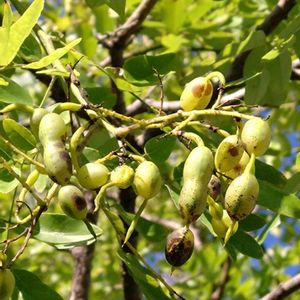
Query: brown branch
point(279, 13)
point(220, 287)
point(83, 257)
point(284, 289)
point(124, 33)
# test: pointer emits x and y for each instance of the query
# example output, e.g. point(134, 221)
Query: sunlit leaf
point(19, 135)
point(64, 232)
point(49, 59)
point(11, 38)
point(14, 93)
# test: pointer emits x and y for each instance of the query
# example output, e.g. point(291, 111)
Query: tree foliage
point(113, 73)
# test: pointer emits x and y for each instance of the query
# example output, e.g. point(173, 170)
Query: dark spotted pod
point(179, 246)
point(72, 202)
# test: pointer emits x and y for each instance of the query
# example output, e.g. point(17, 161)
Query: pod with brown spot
point(72, 202)
point(57, 162)
point(229, 153)
point(179, 246)
point(196, 94)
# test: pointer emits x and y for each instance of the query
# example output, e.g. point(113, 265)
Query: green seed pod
point(228, 153)
point(36, 118)
point(220, 226)
point(196, 94)
point(57, 162)
point(122, 176)
point(239, 168)
point(52, 128)
point(72, 202)
point(241, 195)
point(256, 136)
point(179, 246)
point(197, 172)
point(147, 180)
point(7, 284)
point(92, 175)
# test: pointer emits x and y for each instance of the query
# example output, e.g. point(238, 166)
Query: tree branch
point(279, 13)
point(220, 287)
point(83, 256)
point(123, 34)
point(284, 289)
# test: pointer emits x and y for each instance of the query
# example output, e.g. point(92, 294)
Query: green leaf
point(19, 135)
point(150, 230)
point(274, 222)
point(14, 93)
point(246, 244)
point(293, 184)
point(7, 181)
point(101, 95)
point(252, 222)
point(49, 59)
point(270, 88)
point(143, 277)
point(278, 201)
point(12, 38)
point(268, 173)
point(63, 232)
point(255, 39)
point(159, 148)
point(174, 195)
point(118, 6)
point(7, 15)
point(32, 288)
point(142, 70)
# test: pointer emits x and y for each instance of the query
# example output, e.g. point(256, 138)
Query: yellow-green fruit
point(197, 172)
point(196, 94)
point(256, 136)
point(228, 153)
point(147, 180)
point(72, 202)
point(92, 175)
point(36, 118)
point(239, 168)
point(241, 195)
point(52, 128)
point(57, 162)
point(219, 227)
point(179, 246)
point(122, 176)
point(7, 284)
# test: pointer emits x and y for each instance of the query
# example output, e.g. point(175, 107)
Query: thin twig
point(284, 289)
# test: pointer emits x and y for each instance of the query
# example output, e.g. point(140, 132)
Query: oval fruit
point(179, 246)
point(196, 94)
point(241, 195)
point(256, 136)
point(122, 176)
point(72, 202)
point(57, 162)
point(36, 118)
point(147, 180)
point(52, 128)
point(92, 175)
point(197, 172)
point(228, 153)
point(7, 284)
point(239, 168)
